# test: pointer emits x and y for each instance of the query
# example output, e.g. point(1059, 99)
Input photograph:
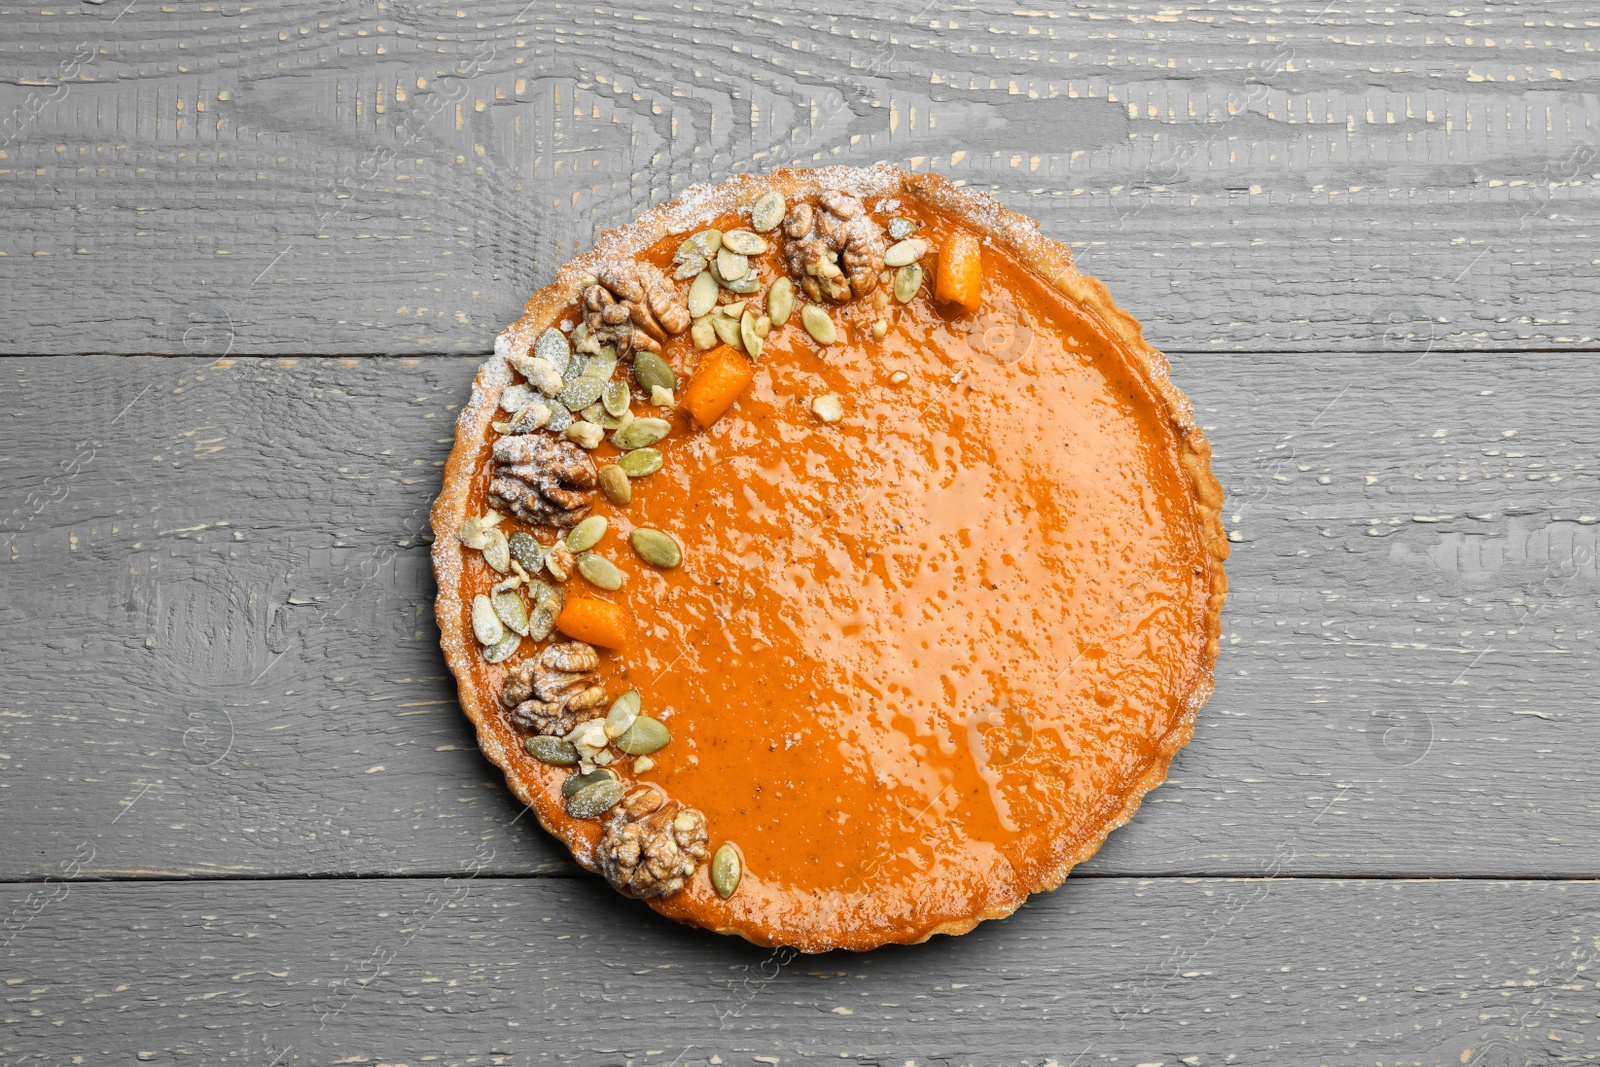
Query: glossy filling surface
point(914, 657)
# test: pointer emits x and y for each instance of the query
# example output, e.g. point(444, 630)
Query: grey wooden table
point(251, 253)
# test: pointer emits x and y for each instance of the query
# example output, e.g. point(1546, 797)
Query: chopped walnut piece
point(553, 691)
point(635, 307)
point(834, 249)
point(543, 480)
point(656, 855)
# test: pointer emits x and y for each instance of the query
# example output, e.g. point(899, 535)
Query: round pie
point(826, 561)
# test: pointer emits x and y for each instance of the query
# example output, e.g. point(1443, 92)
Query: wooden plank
point(278, 179)
point(220, 658)
point(1112, 971)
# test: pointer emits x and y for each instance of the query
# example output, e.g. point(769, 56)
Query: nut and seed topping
point(656, 548)
point(907, 282)
point(542, 480)
point(900, 229)
point(650, 370)
point(486, 624)
point(497, 551)
point(726, 870)
point(577, 782)
point(587, 533)
point(641, 433)
point(727, 331)
point(623, 711)
point(503, 649)
point(527, 552)
point(818, 324)
point(640, 462)
point(595, 800)
point(654, 856)
point(615, 485)
point(904, 253)
point(474, 533)
point(511, 609)
point(703, 334)
point(559, 561)
point(731, 265)
point(748, 335)
point(899, 377)
point(767, 212)
point(780, 301)
point(614, 397)
point(586, 434)
point(827, 408)
point(744, 243)
point(702, 294)
point(644, 736)
point(552, 750)
point(600, 572)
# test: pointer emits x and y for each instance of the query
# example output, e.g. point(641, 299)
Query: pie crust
point(775, 906)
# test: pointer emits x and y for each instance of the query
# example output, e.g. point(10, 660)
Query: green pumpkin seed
point(703, 244)
point(641, 432)
point(688, 267)
point(516, 397)
point(581, 392)
point(768, 212)
point(577, 782)
point(702, 294)
point(743, 286)
point(818, 324)
point(554, 348)
point(727, 331)
point(640, 462)
point(614, 398)
point(904, 253)
point(593, 801)
point(731, 266)
point(780, 301)
point(601, 572)
point(645, 736)
point(726, 871)
point(907, 282)
point(587, 533)
point(503, 649)
point(541, 621)
point(704, 334)
point(650, 370)
point(655, 547)
point(497, 552)
point(900, 229)
point(747, 334)
point(745, 243)
point(511, 609)
point(552, 750)
point(560, 419)
point(486, 625)
point(623, 711)
point(614, 484)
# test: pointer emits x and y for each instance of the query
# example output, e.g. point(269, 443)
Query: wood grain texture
point(479, 971)
point(394, 178)
point(221, 659)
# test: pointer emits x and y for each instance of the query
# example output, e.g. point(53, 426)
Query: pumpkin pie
point(825, 560)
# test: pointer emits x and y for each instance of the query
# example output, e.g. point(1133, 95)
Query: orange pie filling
point(905, 617)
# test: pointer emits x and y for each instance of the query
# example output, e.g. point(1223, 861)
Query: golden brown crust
point(982, 213)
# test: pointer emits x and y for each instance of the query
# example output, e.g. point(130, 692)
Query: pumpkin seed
point(703, 244)
point(780, 301)
point(554, 348)
point(614, 484)
point(641, 432)
point(727, 331)
point(516, 397)
point(745, 243)
point(640, 462)
point(907, 282)
point(656, 548)
point(704, 334)
point(581, 392)
point(503, 649)
point(725, 871)
point(623, 711)
point(904, 253)
point(600, 367)
point(614, 398)
point(818, 324)
point(486, 625)
point(560, 419)
point(702, 295)
point(558, 560)
point(497, 553)
point(601, 572)
point(827, 408)
point(900, 229)
point(541, 621)
point(650, 370)
point(747, 334)
point(511, 610)
point(593, 801)
point(578, 782)
point(526, 551)
point(645, 736)
point(743, 286)
point(731, 266)
point(552, 750)
point(768, 212)
point(587, 533)
point(688, 267)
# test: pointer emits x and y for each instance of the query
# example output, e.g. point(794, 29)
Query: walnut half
point(542, 479)
point(634, 306)
point(654, 856)
point(555, 690)
point(834, 249)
